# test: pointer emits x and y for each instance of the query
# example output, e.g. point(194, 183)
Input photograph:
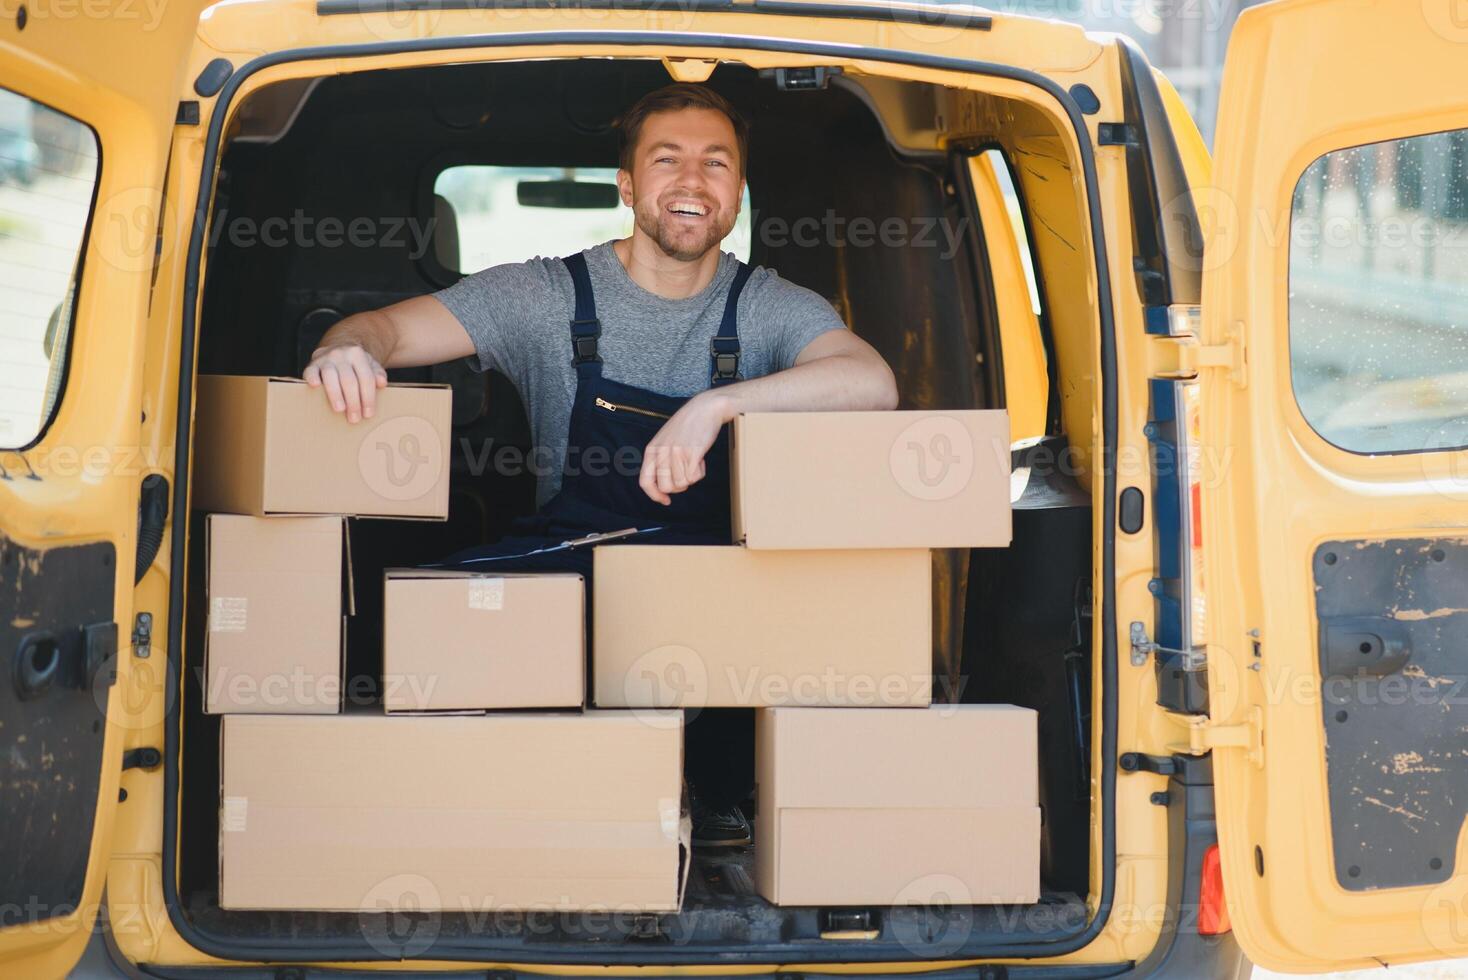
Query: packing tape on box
point(227, 614)
point(233, 815)
point(486, 593)
point(670, 812)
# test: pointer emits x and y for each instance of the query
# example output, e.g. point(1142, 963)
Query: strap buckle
point(584, 342)
point(725, 354)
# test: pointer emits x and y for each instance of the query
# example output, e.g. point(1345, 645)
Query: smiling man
point(631, 357)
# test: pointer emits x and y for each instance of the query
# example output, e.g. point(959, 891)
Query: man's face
point(685, 186)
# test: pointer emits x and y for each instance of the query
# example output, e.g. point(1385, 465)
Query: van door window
point(511, 214)
point(48, 172)
point(1378, 295)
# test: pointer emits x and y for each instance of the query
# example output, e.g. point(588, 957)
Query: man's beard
point(656, 223)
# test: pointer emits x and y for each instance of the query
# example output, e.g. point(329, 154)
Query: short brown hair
point(671, 98)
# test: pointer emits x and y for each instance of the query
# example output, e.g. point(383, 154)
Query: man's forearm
point(839, 383)
point(373, 331)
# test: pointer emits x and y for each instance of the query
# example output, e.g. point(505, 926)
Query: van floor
point(721, 907)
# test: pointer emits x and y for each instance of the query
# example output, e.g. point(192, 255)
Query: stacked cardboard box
point(274, 446)
point(822, 604)
point(461, 641)
point(524, 811)
point(278, 557)
point(950, 793)
point(825, 599)
point(279, 590)
point(512, 811)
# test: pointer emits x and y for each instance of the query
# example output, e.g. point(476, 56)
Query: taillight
point(1212, 910)
point(1192, 461)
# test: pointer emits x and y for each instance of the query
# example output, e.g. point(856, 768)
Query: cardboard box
point(723, 626)
point(274, 446)
point(275, 634)
point(517, 811)
point(895, 807)
point(871, 480)
point(457, 641)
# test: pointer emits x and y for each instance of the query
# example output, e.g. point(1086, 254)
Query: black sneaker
point(723, 826)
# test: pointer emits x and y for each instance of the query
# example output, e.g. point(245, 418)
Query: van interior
point(1010, 625)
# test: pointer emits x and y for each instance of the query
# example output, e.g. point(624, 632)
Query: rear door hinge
point(1248, 735)
point(1195, 357)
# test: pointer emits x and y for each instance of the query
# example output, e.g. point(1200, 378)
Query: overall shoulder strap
point(585, 327)
point(724, 346)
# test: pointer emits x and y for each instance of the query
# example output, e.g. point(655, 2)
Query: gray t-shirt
point(519, 315)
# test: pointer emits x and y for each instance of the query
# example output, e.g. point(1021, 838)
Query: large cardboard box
point(895, 807)
point(275, 630)
point(274, 446)
point(515, 811)
point(871, 479)
point(460, 641)
point(723, 626)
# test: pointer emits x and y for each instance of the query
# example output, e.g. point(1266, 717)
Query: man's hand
point(351, 377)
point(673, 460)
point(836, 372)
point(350, 361)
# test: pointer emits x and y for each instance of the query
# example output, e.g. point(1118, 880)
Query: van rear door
point(87, 106)
point(1333, 522)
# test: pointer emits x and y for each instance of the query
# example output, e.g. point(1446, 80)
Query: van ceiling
point(912, 116)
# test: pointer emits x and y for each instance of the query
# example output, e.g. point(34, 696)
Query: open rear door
point(1333, 412)
point(88, 99)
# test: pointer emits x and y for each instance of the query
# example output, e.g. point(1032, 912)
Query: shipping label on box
point(463, 641)
point(723, 626)
point(266, 445)
point(815, 480)
point(277, 592)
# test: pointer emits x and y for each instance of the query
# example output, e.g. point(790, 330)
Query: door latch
point(1142, 646)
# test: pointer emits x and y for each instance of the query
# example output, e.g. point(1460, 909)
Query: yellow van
point(1238, 591)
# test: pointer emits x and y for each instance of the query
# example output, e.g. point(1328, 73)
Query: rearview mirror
point(577, 194)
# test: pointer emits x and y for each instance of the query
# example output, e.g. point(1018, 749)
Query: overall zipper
point(615, 407)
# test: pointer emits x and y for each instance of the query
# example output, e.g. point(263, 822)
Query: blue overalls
point(611, 423)
point(611, 416)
